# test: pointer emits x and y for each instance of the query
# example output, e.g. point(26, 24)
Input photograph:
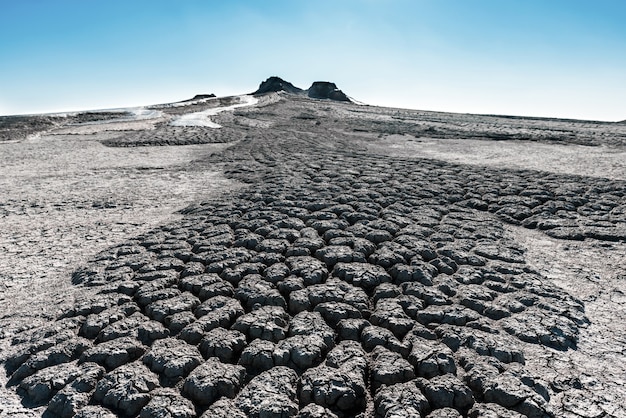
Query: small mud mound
point(275, 84)
point(326, 90)
point(199, 97)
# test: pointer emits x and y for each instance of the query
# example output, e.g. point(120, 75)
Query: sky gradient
point(555, 58)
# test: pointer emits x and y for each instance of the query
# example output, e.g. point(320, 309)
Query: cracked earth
point(314, 259)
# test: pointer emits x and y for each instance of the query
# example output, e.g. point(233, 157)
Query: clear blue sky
point(563, 58)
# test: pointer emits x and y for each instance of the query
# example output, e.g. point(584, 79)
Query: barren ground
point(428, 265)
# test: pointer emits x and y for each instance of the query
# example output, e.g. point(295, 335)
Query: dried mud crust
point(339, 284)
point(14, 128)
point(163, 134)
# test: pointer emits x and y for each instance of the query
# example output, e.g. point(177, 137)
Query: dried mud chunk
point(499, 252)
point(95, 304)
point(223, 408)
point(386, 291)
point(469, 276)
point(235, 273)
point(445, 265)
point(268, 323)
point(63, 352)
point(258, 355)
point(444, 413)
point(288, 234)
point(40, 340)
point(417, 244)
point(172, 357)
point(535, 326)
point(323, 225)
point(276, 272)
point(337, 389)
point(374, 336)
point(137, 325)
point(206, 286)
point(474, 297)
point(360, 245)
point(114, 353)
point(350, 329)
point(248, 240)
point(218, 262)
point(127, 388)
point(76, 395)
point(168, 403)
point(364, 275)
point(222, 309)
point(41, 386)
point(431, 358)
point(268, 259)
point(390, 314)
point(311, 323)
point(159, 310)
point(223, 344)
point(95, 412)
point(175, 323)
point(400, 400)
point(333, 254)
point(492, 410)
point(307, 244)
point(315, 411)
point(212, 380)
point(220, 317)
point(348, 355)
point(333, 312)
point(508, 391)
point(290, 284)
point(334, 290)
point(311, 270)
point(386, 258)
point(193, 268)
point(453, 315)
point(483, 343)
point(145, 298)
point(67, 402)
point(96, 322)
point(270, 394)
point(418, 271)
point(273, 246)
point(254, 291)
point(446, 391)
point(301, 351)
point(430, 295)
point(388, 368)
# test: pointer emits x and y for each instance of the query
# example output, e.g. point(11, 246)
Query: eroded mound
point(326, 90)
point(275, 84)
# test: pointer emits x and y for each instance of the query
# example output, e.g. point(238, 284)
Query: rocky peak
point(274, 84)
point(326, 90)
point(318, 90)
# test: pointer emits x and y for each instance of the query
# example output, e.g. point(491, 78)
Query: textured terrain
point(343, 272)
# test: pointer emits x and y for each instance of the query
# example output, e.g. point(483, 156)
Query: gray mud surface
point(315, 259)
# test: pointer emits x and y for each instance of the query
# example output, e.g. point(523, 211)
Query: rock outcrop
point(318, 90)
point(275, 84)
point(326, 90)
point(199, 97)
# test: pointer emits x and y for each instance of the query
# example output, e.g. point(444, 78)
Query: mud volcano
point(339, 278)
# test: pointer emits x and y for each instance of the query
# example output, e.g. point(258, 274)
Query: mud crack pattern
point(338, 284)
